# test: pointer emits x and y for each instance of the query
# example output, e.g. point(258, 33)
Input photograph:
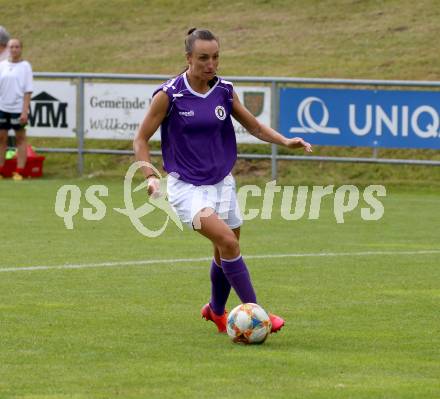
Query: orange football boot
point(277, 323)
point(220, 321)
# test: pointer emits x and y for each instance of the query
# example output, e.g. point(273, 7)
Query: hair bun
point(191, 31)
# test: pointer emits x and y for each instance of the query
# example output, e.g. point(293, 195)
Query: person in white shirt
point(15, 98)
point(4, 39)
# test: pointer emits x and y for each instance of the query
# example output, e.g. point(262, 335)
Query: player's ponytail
point(191, 31)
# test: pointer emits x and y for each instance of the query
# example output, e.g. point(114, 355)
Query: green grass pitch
point(358, 326)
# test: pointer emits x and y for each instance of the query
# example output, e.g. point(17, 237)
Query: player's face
point(14, 49)
point(203, 62)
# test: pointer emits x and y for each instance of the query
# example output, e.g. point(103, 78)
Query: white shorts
point(187, 200)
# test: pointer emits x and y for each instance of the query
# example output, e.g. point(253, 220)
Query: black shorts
point(10, 120)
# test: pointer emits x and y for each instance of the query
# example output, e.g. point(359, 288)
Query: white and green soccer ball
point(248, 323)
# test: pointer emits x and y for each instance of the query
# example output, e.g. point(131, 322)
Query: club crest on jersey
point(220, 112)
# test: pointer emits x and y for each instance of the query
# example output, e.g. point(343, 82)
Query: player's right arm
point(153, 119)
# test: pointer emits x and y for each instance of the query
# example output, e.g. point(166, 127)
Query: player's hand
point(298, 142)
point(154, 187)
point(23, 118)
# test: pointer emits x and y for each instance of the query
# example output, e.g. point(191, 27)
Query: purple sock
point(237, 273)
point(220, 289)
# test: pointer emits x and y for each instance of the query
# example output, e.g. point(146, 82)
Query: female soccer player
point(15, 97)
point(199, 151)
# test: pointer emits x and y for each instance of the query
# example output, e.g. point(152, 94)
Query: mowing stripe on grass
point(204, 259)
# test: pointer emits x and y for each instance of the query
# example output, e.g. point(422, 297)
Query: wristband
point(151, 175)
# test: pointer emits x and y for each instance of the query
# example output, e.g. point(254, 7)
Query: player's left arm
point(263, 132)
point(28, 78)
point(26, 104)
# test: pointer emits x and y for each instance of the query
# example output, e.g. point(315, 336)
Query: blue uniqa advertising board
point(362, 118)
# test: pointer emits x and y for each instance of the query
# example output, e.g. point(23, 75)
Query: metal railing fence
point(275, 83)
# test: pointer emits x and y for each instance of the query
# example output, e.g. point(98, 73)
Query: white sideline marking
point(187, 260)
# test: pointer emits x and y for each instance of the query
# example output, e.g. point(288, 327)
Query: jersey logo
point(220, 112)
point(186, 113)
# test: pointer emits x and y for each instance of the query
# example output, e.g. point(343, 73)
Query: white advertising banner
point(115, 110)
point(53, 109)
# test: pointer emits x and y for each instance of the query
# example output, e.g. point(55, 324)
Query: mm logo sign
point(47, 111)
point(53, 109)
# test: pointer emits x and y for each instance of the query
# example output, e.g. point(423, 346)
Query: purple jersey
point(198, 139)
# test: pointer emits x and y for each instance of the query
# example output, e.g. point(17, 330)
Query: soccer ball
point(248, 323)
